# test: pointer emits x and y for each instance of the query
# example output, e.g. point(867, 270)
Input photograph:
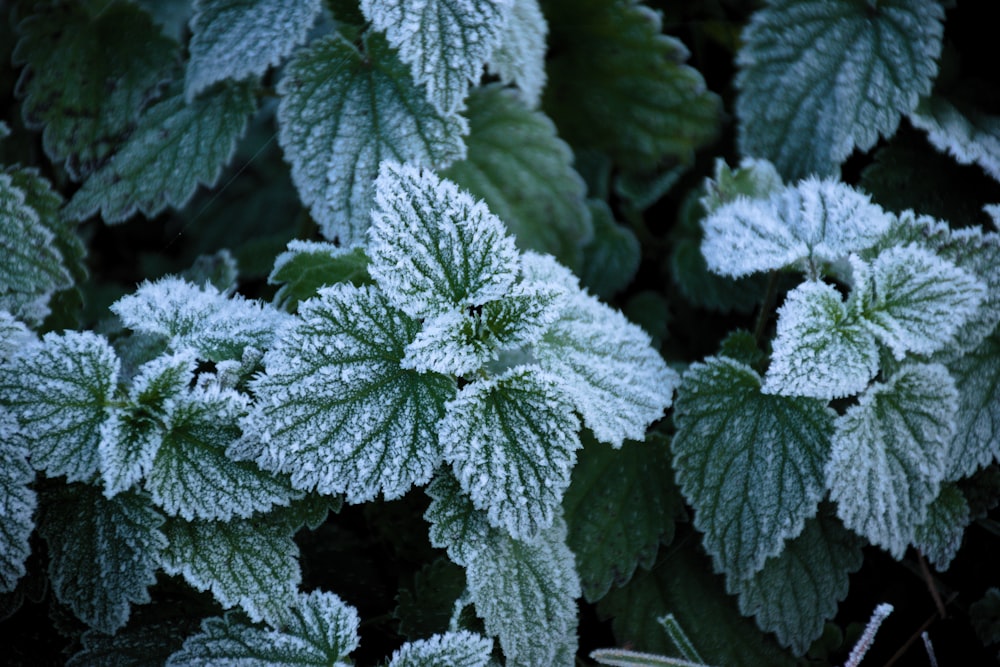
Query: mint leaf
point(335, 410)
point(90, 69)
point(147, 645)
point(319, 629)
point(451, 648)
point(250, 563)
point(237, 40)
point(887, 458)
point(524, 172)
point(822, 348)
point(977, 436)
point(60, 391)
point(104, 553)
point(307, 265)
point(520, 56)
point(620, 506)
point(434, 248)
point(753, 178)
point(806, 225)
point(733, 440)
point(512, 443)
point(940, 535)
point(819, 79)
point(174, 148)
point(797, 591)
point(17, 521)
point(968, 135)
point(446, 43)
point(341, 113)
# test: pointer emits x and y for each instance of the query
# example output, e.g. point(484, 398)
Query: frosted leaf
point(33, 266)
point(459, 342)
point(59, 391)
point(90, 68)
point(17, 504)
point(888, 455)
point(4, 130)
point(916, 301)
point(341, 113)
point(335, 410)
point(237, 40)
point(977, 437)
point(13, 336)
point(246, 562)
point(433, 247)
point(971, 137)
point(813, 222)
point(820, 78)
point(174, 148)
point(104, 553)
point(607, 367)
point(525, 591)
point(308, 265)
point(821, 349)
point(141, 644)
point(512, 443)
point(940, 536)
point(446, 43)
point(798, 590)
point(520, 56)
point(200, 318)
point(524, 172)
point(750, 463)
point(753, 178)
point(319, 629)
point(131, 437)
point(191, 475)
point(464, 648)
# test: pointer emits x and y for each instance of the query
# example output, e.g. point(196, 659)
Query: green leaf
point(60, 391)
point(426, 607)
point(191, 475)
point(917, 301)
point(940, 536)
point(307, 265)
point(174, 148)
point(445, 650)
point(968, 135)
point(520, 56)
point(33, 267)
point(17, 521)
point(433, 247)
point(319, 629)
point(250, 563)
point(237, 40)
point(335, 410)
point(199, 318)
point(977, 436)
point(753, 178)
point(620, 506)
point(136, 646)
point(446, 43)
point(822, 348)
point(512, 443)
point(524, 172)
point(618, 85)
point(797, 591)
point(90, 68)
point(985, 616)
point(341, 113)
point(104, 553)
point(611, 258)
point(820, 78)
point(608, 368)
point(731, 441)
point(524, 591)
point(887, 458)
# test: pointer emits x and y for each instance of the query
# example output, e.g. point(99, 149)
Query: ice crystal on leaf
point(940, 535)
point(970, 136)
point(17, 504)
point(977, 437)
point(520, 56)
point(453, 648)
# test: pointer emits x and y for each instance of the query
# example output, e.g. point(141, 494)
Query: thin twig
point(916, 635)
point(931, 586)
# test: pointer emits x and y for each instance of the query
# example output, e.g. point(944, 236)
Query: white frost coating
point(200, 318)
point(970, 137)
point(446, 43)
point(821, 349)
point(235, 39)
point(520, 56)
point(917, 301)
point(940, 536)
point(14, 335)
point(512, 443)
point(977, 439)
point(17, 503)
point(433, 247)
point(888, 455)
point(813, 222)
point(341, 113)
point(464, 648)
